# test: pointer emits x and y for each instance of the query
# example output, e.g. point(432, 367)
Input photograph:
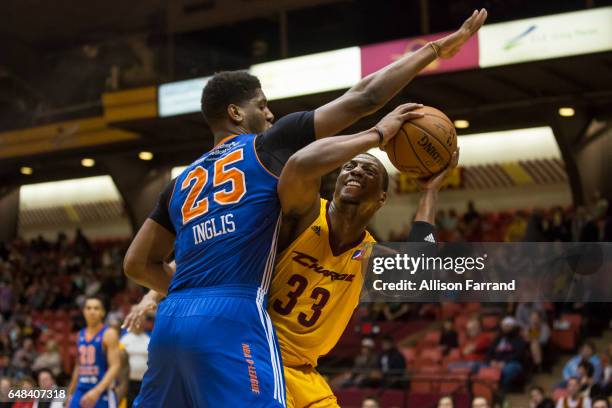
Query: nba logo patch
point(358, 254)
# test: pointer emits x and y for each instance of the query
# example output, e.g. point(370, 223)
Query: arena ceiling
point(492, 99)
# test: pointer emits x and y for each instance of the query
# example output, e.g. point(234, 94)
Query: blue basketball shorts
point(213, 347)
point(108, 399)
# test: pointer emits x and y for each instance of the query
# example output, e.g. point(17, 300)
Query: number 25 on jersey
point(223, 173)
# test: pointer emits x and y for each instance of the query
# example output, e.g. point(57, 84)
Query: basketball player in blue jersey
point(98, 362)
point(213, 344)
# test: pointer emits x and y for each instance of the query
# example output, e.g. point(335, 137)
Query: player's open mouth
point(353, 183)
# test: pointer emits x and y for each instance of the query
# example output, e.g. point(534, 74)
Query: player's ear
point(382, 199)
point(235, 113)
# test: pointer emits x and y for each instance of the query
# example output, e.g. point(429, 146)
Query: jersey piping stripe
point(112, 402)
point(259, 160)
point(269, 268)
point(276, 369)
point(279, 366)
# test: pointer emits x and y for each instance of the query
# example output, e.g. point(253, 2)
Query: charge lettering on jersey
point(311, 262)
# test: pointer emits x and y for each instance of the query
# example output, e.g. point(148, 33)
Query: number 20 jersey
point(314, 292)
point(226, 214)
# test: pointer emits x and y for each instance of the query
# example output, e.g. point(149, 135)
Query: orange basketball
point(423, 146)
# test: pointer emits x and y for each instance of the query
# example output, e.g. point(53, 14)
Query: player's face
point(93, 311)
point(360, 180)
point(257, 115)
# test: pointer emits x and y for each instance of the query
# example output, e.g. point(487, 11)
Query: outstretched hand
point(450, 45)
point(435, 182)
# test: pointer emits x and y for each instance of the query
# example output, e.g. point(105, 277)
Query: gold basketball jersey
point(314, 292)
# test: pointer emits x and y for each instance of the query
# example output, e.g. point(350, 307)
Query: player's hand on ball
point(450, 45)
point(391, 124)
point(436, 181)
point(138, 313)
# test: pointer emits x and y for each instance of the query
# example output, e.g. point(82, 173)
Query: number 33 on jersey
point(314, 292)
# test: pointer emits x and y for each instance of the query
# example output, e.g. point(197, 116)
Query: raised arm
point(298, 187)
point(374, 91)
point(426, 210)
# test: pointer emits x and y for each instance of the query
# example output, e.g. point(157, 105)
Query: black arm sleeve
point(160, 213)
point(287, 136)
point(421, 231)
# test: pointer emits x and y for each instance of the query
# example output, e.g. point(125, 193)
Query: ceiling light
point(462, 124)
point(566, 111)
point(87, 162)
point(145, 156)
point(26, 171)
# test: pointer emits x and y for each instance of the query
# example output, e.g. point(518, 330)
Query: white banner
point(181, 97)
point(310, 74)
point(532, 39)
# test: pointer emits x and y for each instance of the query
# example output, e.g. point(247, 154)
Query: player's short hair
point(99, 299)
point(225, 88)
point(385, 175)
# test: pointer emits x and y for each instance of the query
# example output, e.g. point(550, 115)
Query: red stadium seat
point(409, 354)
point(574, 319)
point(430, 355)
point(432, 338)
point(565, 340)
point(490, 322)
point(393, 398)
point(460, 322)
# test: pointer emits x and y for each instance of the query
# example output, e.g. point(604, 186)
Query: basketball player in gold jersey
point(318, 277)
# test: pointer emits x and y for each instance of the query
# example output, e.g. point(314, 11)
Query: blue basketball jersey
point(91, 359)
point(226, 214)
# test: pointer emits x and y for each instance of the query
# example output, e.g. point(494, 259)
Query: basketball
point(423, 146)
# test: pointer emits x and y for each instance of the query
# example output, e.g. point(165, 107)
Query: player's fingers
point(408, 107)
point(480, 19)
point(411, 115)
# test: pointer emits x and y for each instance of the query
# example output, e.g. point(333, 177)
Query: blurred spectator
point(370, 402)
point(587, 353)
point(480, 402)
point(601, 403)
point(449, 339)
point(50, 359)
point(606, 383)
point(573, 399)
point(392, 364)
point(588, 386)
point(26, 384)
point(524, 311)
point(472, 224)
point(46, 381)
point(537, 399)
point(81, 243)
point(558, 228)
point(537, 334)
point(515, 231)
point(24, 357)
point(136, 345)
point(365, 367)
point(476, 344)
point(507, 352)
point(446, 402)
point(5, 386)
point(396, 311)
